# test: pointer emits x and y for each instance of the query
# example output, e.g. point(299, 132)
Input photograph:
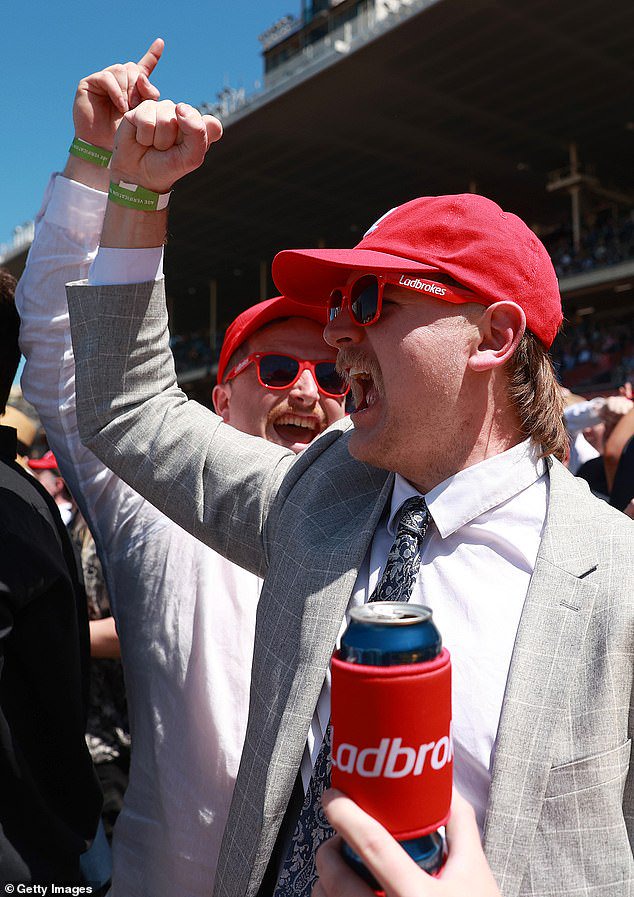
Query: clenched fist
point(158, 143)
point(102, 99)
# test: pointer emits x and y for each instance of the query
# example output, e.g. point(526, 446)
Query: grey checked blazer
point(562, 789)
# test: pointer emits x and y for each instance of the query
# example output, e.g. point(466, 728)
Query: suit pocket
point(581, 843)
point(601, 769)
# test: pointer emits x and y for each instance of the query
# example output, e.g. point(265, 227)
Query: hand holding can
point(391, 726)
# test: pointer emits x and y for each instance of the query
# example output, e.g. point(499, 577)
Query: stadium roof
point(482, 95)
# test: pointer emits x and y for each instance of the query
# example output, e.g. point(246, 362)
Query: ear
point(221, 397)
point(501, 326)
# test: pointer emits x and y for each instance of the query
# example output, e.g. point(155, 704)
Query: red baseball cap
point(257, 316)
point(468, 237)
point(46, 462)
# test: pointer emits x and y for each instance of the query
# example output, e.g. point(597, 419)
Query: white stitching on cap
point(373, 227)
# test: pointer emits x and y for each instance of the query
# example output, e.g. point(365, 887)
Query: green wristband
point(89, 153)
point(134, 197)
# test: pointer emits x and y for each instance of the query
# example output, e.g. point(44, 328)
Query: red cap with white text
point(250, 320)
point(492, 253)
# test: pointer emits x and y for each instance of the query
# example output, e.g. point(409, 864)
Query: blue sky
point(48, 47)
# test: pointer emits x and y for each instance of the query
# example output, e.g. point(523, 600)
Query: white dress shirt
point(185, 615)
point(477, 560)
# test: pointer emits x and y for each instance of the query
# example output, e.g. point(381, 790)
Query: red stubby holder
point(392, 749)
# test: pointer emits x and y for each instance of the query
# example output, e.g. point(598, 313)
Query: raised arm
point(213, 481)
point(66, 240)
point(615, 443)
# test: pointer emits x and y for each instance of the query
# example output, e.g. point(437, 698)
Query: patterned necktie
point(299, 874)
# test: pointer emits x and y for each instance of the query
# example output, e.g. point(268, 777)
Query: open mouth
point(294, 428)
point(364, 390)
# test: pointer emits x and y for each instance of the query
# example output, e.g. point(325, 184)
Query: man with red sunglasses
point(185, 615)
point(276, 375)
point(442, 317)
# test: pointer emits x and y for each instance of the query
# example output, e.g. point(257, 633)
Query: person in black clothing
point(49, 795)
point(619, 463)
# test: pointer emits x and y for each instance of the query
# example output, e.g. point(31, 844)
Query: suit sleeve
point(215, 482)
point(628, 793)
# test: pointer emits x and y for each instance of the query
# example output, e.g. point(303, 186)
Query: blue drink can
point(390, 633)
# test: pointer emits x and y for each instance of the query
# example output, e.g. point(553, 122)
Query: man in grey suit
point(442, 317)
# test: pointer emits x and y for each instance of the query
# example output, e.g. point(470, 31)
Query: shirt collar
point(469, 493)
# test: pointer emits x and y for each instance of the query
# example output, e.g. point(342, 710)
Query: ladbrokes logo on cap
point(424, 286)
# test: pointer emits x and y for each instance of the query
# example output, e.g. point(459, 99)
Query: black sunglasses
point(283, 371)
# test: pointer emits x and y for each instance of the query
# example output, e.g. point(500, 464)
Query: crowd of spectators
point(593, 353)
point(192, 351)
point(606, 239)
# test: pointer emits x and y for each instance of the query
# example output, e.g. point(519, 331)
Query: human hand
point(103, 98)
point(614, 409)
point(465, 872)
point(104, 639)
point(158, 143)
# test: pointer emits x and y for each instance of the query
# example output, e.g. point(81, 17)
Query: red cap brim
point(310, 275)
point(46, 462)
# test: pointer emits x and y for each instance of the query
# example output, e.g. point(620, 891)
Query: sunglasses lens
point(364, 299)
point(277, 371)
point(329, 380)
point(334, 304)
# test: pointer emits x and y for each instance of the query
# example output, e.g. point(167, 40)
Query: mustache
point(356, 358)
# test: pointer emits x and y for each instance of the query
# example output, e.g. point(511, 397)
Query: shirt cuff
point(72, 202)
point(123, 266)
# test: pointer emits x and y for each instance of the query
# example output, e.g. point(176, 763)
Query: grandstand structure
point(368, 103)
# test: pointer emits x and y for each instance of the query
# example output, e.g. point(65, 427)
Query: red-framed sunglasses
point(364, 296)
point(283, 371)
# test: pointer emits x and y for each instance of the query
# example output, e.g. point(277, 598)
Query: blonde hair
point(536, 395)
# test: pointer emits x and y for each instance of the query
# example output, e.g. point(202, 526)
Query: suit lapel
point(323, 612)
point(550, 635)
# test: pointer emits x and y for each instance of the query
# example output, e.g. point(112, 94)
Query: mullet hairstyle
point(536, 395)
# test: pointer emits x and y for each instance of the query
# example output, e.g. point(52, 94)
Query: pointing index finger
point(148, 62)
